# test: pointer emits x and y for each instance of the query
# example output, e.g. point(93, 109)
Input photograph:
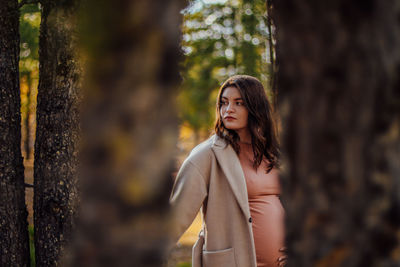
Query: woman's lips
point(229, 118)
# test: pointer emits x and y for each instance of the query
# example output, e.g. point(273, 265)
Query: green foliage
point(220, 39)
point(29, 57)
point(29, 38)
point(184, 264)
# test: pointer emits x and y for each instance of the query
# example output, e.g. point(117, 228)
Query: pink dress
point(265, 207)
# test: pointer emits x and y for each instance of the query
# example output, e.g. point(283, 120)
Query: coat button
point(250, 220)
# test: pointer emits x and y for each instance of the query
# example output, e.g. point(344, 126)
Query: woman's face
point(233, 112)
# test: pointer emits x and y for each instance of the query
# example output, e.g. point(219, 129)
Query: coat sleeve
point(187, 196)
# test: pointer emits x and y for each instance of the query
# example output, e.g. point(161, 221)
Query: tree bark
point(55, 182)
point(130, 132)
point(338, 80)
point(14, 244)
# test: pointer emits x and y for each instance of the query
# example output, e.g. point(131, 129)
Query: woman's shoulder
point(203, 148)
point(203, 151)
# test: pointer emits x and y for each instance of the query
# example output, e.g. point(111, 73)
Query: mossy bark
point(338, 80)
point(14, 244)
point(57, 131)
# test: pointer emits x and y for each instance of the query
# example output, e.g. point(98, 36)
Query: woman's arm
point(188, 194)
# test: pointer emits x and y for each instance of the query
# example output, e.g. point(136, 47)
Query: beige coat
point(212, 179)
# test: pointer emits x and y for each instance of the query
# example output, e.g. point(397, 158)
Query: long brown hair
point(260, 121)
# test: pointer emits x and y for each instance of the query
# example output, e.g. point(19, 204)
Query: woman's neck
point(244, 135)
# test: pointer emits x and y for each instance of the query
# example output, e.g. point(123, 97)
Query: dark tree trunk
point(130, 132)
point(55, 192)
point(338, 78)
point(14, 245)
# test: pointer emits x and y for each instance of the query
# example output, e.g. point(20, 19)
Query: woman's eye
point(239, 103)
point(223, 103)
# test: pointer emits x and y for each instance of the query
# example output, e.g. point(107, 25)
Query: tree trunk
point(14, 244)
point(338, 79)
point(55, 189)
point(130, 132)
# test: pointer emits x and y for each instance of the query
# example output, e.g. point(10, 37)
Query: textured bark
point(14, 245)
point(130, 132)
point(55, 182)
point(338, 79)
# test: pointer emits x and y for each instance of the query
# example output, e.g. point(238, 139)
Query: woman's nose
point(229, 108)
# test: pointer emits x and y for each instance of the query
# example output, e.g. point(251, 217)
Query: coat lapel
point(230, 165)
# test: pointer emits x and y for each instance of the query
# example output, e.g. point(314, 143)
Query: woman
point(233, 178)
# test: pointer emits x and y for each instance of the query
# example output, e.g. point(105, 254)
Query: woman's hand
point(282, 259)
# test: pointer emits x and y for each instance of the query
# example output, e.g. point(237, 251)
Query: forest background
point(338, 81)
point(219, 39)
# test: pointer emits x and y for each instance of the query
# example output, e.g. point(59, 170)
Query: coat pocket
point(219, 258)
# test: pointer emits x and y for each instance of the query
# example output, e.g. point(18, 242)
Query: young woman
point(233, 178)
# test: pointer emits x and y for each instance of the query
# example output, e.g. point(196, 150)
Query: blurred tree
point(130, 131)
point(249, 55)
point(220, 40)
point(28, 69)
point(338, 79)
point(55, 189)
point(14, 245)
point(271, 55)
